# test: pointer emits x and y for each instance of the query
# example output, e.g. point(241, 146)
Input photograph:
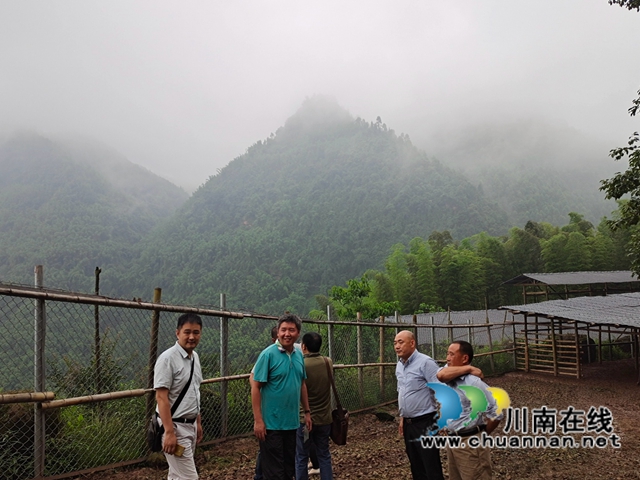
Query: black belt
point(421, 418)
point(184, 420)
point(467, 432)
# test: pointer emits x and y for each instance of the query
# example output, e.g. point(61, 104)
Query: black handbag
point(155, 431)
point(154, 434)
point(339, 415)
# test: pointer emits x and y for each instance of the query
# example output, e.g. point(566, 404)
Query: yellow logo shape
point(501, 397)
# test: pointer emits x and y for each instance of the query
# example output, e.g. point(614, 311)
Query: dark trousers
point(258, 475)
point(425, 462)
point(278, 455)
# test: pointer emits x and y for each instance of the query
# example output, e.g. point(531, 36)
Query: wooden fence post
point(360, 361)
point(554, 351)
point(96, 335)
point(40, 331)
point(433, 338)
point(526, 344)
point(381, 368)
point(575, 329)
point(153, 353)
point(330, 334)
point(491, 361)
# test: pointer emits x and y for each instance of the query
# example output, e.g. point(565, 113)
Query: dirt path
point(376, 452)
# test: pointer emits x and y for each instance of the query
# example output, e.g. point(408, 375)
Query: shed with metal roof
point(560, 335)
point(548, 286)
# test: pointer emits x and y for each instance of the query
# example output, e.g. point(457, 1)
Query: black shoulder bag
point(339, 415)
point(154, 429)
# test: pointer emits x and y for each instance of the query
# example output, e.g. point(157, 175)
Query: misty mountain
point(532, 169)
point(320, 201)
point(73, 206)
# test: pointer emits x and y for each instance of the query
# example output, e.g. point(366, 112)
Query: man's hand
point(307, 421)
point(448, 374)
point(169, 442)
point(259, 430)
point(401, 427)
point(200, 431)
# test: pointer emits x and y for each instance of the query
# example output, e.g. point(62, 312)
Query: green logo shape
point(477, 398)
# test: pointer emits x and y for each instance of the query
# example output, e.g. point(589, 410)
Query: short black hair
point(188, 318)
point(465, 349)
point(290, 318)
point(313, 341)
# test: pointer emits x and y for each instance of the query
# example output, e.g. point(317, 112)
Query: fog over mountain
point(183, 88)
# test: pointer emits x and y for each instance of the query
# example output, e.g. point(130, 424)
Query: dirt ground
point(375, 451)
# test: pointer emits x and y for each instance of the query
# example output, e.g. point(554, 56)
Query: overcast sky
point(184, 87)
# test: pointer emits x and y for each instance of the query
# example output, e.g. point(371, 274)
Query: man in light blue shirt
point(417, 406)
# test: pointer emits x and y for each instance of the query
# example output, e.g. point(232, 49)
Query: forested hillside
point(72, 207)
point(322, 200)
point(319, 201)
point(439, 273)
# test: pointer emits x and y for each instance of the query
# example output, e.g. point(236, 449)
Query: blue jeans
point(319, 435)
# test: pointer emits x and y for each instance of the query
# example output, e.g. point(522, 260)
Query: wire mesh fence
point(104, 347)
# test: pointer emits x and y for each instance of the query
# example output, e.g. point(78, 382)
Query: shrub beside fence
point(93, 355)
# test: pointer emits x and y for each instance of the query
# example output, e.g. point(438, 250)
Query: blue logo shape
point(450, 405)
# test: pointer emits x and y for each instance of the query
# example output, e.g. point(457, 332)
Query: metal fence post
point(153, 352)
point(330, 333)
point(40, 329)
point(224, 367)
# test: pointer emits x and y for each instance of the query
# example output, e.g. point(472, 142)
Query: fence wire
point(91, 350)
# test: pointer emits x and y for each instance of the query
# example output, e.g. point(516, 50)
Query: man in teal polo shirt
point(278, 388)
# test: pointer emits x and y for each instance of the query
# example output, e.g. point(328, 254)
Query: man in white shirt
point(173, 369)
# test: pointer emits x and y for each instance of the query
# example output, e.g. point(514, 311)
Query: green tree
point(553, 253)
point(577, 223)
point(461, 279)
point(524, 252)
point(624, 184)
point(578, 254)
point(628, 182)
point(356, 298)
point(422, 273)
point(630, 4)
point(400, 280)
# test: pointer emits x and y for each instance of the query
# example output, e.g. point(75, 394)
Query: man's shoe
point(314, 471)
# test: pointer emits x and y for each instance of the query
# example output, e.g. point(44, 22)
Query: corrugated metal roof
point(573, 278)
point(457, 318)
point(622, 309)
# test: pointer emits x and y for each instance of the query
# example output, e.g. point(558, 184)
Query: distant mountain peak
point(317, 112)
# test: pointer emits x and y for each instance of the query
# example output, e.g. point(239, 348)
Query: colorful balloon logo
point(450, 407)
point(502, 398)
point(478, 399)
